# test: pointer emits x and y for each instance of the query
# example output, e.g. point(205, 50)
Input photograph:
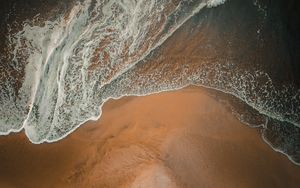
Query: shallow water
point(58, 69)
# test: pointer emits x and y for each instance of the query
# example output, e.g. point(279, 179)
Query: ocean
point(60, 61)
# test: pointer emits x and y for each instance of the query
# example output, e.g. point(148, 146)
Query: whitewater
point(99, 49)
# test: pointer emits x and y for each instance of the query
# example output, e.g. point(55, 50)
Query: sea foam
point(214, 3)
point(99, 49)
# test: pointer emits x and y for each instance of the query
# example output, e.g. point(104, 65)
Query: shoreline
point(162, 135)
point(185, 87)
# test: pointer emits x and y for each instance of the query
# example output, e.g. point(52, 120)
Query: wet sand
point(182, 138)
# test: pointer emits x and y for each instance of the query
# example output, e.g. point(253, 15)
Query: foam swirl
point(102, 49)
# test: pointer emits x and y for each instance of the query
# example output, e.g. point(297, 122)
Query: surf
point(99, 50)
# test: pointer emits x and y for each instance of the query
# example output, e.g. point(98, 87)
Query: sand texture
point(182, 138)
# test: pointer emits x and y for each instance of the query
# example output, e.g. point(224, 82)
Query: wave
point(99, 50)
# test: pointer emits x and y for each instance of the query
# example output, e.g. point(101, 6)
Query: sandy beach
point(182, 138)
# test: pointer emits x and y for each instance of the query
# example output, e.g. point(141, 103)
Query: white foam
point(65, 85)
point(61, 78)
point(215, 3)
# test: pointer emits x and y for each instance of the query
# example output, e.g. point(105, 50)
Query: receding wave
point(101, 49)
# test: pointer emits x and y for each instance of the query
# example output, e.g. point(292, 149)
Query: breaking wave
point(101, 49)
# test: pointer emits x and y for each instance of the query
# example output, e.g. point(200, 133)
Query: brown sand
point(183, 138)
